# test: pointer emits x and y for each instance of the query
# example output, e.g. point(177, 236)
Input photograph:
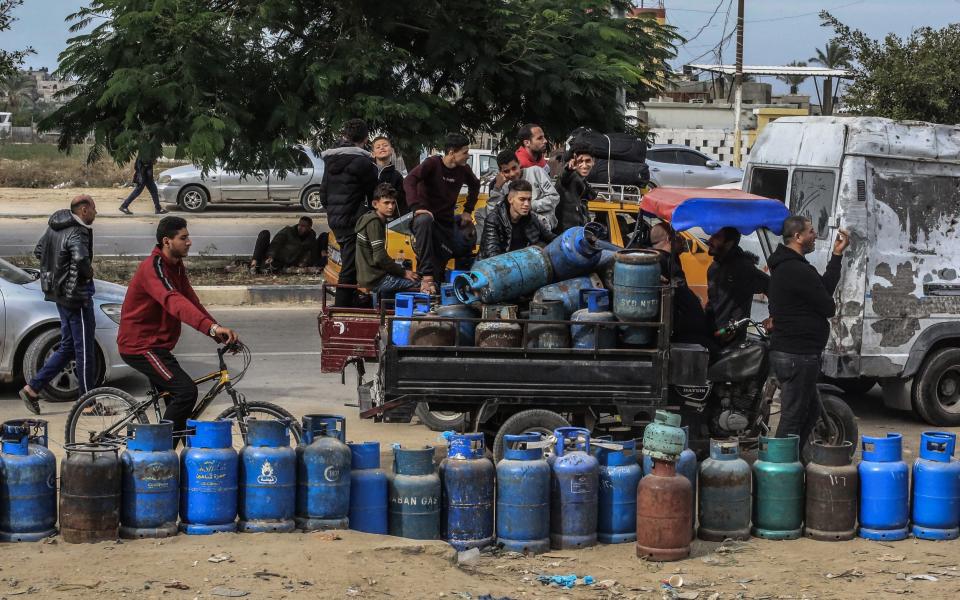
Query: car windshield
point(13, 274)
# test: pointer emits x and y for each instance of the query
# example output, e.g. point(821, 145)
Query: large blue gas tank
point(568, 292)
point(414, 494)
point(884, 488)
point(726, 488)
point(595, 305)
point(573, 490)
point(573, 253)
point(268, 478)
point(323, 474)
point(936, 488)
point(467, 479)
point(368, 489)
point(150, 481)
point(504, 277)
point(636, 293)
point(466, 329)
point(619, 473)
point(686, 466)
point(209, 467)
point(28, 482)
point(523, 495)
point(407, 304)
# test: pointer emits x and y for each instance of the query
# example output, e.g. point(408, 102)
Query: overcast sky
point(776, 31)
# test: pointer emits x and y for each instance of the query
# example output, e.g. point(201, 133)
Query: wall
point(716, 143)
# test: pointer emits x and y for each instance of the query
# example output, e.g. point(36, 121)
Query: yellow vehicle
point(617, 207)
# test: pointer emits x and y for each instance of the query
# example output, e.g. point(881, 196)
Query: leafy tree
point(794, 81)
point(20, 90)
point(916, 78)
point(10, 60)
point(834, 56)
point(238, 81)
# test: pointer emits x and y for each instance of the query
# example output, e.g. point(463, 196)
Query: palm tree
point(794, 81)
point(833, 56)
point(18, 89)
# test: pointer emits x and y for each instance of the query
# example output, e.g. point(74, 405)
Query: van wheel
point(936, 390)
point(533, 421)
point(439, 420)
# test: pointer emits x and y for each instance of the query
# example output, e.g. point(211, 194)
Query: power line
point(804, 14)
point(707, 24)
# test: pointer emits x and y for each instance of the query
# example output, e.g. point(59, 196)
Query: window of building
point(811, 195)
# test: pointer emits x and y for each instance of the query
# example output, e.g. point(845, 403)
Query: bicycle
point(102, 414)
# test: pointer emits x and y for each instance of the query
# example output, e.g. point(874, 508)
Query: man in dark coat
point(66, 277)
point(801, 304)
point(292, 246)
point(511, 225)
point(575, 192)
point(349, 177)
point(732, 280)
point(387, 171)
point(143, 178)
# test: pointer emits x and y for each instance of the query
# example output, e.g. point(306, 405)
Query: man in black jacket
point(387, 171)
point(349, 177)
point(732, 280)
point(511, 225)
point(801, 302)
point(143, 178)
point(66, 277)
point(574, 190)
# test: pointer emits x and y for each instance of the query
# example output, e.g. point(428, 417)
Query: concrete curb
point(259, 295)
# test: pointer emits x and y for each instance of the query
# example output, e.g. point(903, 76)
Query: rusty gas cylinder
point(832, 490)
point(495, 333)
point(434, 332)
point(664, 513)
point(90, 482)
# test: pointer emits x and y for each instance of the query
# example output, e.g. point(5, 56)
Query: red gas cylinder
point(664, 513)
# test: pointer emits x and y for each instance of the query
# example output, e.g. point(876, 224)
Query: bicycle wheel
point(259, 410)
point(99, 410)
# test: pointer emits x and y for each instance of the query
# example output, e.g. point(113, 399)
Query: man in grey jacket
point(545, 196)
point(66, 277)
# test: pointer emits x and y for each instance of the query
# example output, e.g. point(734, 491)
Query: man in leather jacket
point(511, 225)
point(732, 280)
point(66, 276)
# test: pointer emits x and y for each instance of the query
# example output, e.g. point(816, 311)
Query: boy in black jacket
point(801, 302)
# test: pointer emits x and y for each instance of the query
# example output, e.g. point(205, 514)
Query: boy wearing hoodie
point(388, 171)
point(376, 271)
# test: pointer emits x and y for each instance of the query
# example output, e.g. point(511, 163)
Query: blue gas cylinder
point(150, 481)
point(209, 467)
point(447, 295)
point(936, 488)
point(726, 489)
point(574, 487)
point(504, 277)
point(368, 489)
point(568, 292)
point(268, 478)
point(636, 293)
point(523, 495)
point(407, 304)
point(596, 309)
point(466, 328)
point(414, 494)
point(619, 473)
point(573, 253)
point(323, 474)
point(686, 466)
point(884, 488)
point(28, 482)
point(467, 480)
point(451, 275)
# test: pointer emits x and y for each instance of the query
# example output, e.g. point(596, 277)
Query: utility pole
point(738, 87)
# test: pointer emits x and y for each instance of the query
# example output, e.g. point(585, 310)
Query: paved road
point(135, 235)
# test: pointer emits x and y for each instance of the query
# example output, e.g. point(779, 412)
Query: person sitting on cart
point(732, 280)
point(575, 191)
point(512, 225)
point(376, 271)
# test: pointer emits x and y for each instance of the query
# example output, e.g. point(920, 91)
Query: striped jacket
point(158, 299)
point(373, 262)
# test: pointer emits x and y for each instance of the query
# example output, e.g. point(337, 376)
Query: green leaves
point(239, 81)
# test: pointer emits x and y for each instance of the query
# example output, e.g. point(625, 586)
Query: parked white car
point(189, 189)
point(675, 165)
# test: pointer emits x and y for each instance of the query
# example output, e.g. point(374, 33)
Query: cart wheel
point(439, 420)
point(534, 421)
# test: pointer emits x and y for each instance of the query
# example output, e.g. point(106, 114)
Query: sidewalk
point(28, 203)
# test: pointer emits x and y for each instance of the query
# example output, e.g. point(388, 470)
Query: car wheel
point(193, 198)
point(936, 390)
point(310, 200)
point(64, 387)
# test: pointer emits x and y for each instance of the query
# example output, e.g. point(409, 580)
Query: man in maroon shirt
point(158, 299)
point(432, 189)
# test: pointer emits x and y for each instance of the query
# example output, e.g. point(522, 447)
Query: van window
point(811, 195)
point(770, 183)
point(488, 164)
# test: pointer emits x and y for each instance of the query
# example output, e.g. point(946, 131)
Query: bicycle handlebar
point(733, 326)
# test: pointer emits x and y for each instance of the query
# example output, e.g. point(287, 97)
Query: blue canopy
point(745, 215)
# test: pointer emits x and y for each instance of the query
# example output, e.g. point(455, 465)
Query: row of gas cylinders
point(564, 286)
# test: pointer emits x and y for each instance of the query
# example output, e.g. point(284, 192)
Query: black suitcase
point(616, 146)
point(619, 172)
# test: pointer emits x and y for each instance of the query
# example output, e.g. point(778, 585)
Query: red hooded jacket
point(158, 299)
point(526, 159)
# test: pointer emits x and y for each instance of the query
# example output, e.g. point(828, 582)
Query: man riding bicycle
point(158, 299)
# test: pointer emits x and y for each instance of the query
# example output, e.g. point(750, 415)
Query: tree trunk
point(827, 108)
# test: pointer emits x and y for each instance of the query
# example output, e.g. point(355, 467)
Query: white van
point(896, 187)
